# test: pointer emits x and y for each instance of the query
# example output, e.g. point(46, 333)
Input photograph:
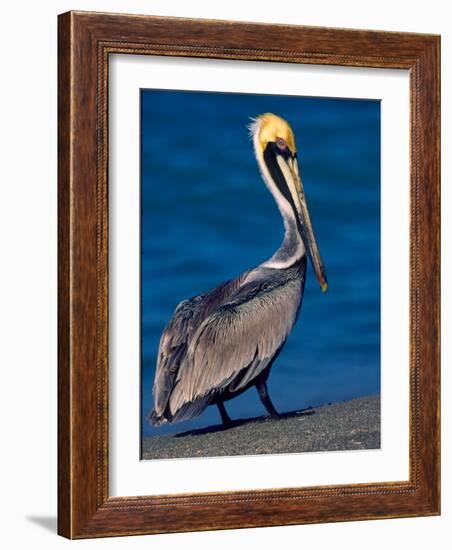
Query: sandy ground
point(349, 425)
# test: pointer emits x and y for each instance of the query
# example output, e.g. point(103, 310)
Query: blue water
point(207, 216)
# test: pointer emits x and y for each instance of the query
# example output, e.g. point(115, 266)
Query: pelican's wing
point(236, 342)
point(172, 349)
point(177, 335)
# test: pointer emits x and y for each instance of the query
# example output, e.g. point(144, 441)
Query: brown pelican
point(219, 344)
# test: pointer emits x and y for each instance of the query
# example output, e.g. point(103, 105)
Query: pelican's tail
point(156, 419)
point(185, 412)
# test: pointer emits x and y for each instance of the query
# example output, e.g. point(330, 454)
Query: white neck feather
point(292, 247)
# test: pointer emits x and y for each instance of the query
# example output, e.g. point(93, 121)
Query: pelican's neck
point(292, 248)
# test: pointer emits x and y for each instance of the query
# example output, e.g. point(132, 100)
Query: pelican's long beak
point(289, 168)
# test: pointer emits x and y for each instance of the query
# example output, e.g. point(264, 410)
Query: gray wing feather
point(244, 333)
point(174, 341)
point(172, 349)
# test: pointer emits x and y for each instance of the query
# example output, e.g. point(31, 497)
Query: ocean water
point(207, 216)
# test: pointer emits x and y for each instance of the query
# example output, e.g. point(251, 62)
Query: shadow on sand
point(242, 421)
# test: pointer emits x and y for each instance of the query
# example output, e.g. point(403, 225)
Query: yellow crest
point(270, 127)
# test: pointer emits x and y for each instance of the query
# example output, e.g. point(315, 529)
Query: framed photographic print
point(248, 275)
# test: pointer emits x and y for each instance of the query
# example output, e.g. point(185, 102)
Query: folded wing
point(234, 344)
point(176, 337)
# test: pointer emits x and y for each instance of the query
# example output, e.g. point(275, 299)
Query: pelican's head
point(276, 153)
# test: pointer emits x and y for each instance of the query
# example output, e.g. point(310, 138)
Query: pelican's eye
point(281, 143)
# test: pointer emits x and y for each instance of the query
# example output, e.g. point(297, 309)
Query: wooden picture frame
point(85, 42)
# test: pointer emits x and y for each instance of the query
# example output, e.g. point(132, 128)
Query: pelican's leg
point(226, 419)
point(265, 398)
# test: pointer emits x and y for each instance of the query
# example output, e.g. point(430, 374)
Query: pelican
point(219, 344)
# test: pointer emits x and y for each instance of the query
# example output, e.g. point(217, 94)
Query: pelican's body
point(219, 344)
